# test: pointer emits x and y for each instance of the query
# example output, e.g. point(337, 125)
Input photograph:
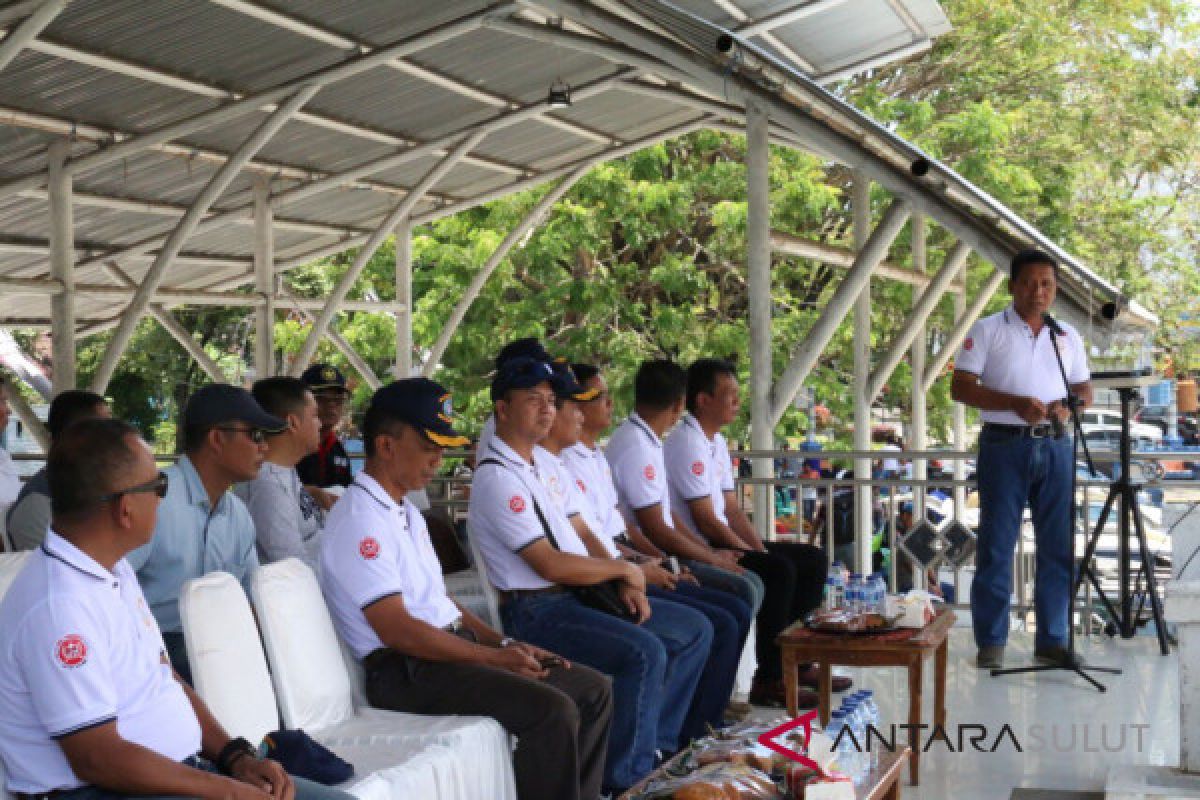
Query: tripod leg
point(1148, 565)
point(1085, 568)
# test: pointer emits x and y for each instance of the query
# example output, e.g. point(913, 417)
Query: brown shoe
point(809, 677)
point(772, 695)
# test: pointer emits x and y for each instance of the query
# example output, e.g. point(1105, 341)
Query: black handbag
point(605, 596)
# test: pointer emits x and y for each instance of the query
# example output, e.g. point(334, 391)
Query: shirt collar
point(646, 429)
point(60, 549)
point(376, 492)
point(499, 447)
point(196, 493)
point(688, 419)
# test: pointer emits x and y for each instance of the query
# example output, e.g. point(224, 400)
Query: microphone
point(1053, 325)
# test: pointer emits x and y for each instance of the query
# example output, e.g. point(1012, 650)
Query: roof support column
point(809, 349)
point(28, 30)
point(187, 224)
point(62, 265)
point(922, 308)
point(863, 495)
point(399, 213)
point(958, 412)
point(404, 316)
point(264, 278)
point(918, 436)
point(37, 429)
point(758, 268)
point(476, 285)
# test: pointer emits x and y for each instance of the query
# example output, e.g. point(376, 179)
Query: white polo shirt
point(697, 467)
point(502, 519)
point(1004, 353)
point(635, 456)
point(593, 476)
point(372, 548)
point(79, 648)
point(567, 492)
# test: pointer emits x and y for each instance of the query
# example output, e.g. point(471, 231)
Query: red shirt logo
point(649, 472)
point(697, 467)
point(969, 344)
point(516, 504)
point(368, 548)
point(72, 650)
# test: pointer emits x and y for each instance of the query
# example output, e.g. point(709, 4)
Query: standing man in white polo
point(89, 706)
point(421, 651)
point(1008, 369)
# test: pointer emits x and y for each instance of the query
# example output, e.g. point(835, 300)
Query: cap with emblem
point(521, 373)
point(324, 377)
point(567, 387)
point(528, 347)
point(223, 402)
point(425, 405)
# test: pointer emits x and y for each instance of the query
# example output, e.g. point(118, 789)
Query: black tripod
point(1073, 404)
point(1125, 490)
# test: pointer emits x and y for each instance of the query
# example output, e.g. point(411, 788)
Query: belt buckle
point(1037, 431)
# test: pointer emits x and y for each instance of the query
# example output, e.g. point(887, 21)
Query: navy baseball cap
point(528, 347)
point(567, 387)
point(222, 402)
point(321, 377)
point(425, 405)
point(522, 372)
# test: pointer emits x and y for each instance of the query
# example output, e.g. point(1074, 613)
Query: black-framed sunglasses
point(257, 435)
point(158, 486)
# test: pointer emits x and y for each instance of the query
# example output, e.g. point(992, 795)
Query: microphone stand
point(1073, 404)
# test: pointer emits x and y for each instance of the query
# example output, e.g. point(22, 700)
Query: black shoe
point(1057, 656)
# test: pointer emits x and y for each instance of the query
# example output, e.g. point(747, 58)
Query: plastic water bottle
point(855, 593)
point(846, 755)
point(835, 588)
point(841, 570)
point(862, 761)
point(867, 703)
point(880, 594)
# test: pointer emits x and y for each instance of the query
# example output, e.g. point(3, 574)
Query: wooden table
point(799, 645)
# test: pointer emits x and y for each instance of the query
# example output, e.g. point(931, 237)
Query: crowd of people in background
point(629, 577)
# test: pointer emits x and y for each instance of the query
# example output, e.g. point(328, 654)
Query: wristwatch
point(232, 751)
point(507, 641)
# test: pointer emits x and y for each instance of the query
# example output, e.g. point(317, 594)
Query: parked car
point(1101, 419)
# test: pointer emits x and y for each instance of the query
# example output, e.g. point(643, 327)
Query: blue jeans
point(747, 586)
point(305, 790)
point(730, 619)
point(655, 669)
point(1014, 470)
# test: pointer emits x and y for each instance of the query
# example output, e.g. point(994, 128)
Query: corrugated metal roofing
point(106, 69)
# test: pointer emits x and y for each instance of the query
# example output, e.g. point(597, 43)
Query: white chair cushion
point(229, 670)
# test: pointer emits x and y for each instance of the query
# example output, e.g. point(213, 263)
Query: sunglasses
point(257, 435)
point(158, 486)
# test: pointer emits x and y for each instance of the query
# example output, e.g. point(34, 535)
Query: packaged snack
point(715, 782)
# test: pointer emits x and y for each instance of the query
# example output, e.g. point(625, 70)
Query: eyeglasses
point(158, 486)
point(257, 435)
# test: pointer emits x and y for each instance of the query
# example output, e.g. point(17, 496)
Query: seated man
point(287, 520)
point(532, 554)
point(29, 518)
point(326, 473)
point(89, 707)
point(728, 616)
point(424, 654)
point(202, 526)
point(700, 476)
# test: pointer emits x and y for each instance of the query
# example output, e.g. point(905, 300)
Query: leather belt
point(508, 595)
point(1042, 431)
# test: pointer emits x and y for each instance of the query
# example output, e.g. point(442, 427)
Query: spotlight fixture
point(559, 95)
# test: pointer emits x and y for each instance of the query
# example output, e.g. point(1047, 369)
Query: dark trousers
point(561, 723)
point(177, 655)
point(793, 576)
point(730, 619)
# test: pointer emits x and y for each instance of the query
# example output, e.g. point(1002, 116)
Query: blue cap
point(217, 403)
point(425, 405)
point(323, 377)
point(566, 386)
point(529, 347)
point(522, 372)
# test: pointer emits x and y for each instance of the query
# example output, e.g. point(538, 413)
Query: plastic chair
point(485, 584)
point(229, 671)
point(316, 690)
